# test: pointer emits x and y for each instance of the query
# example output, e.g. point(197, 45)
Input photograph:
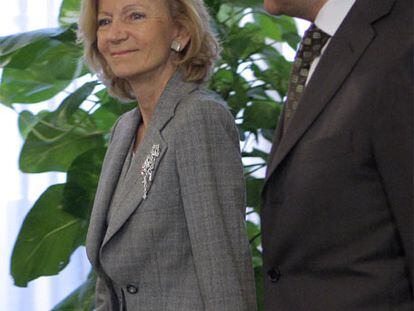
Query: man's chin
point(271, 7)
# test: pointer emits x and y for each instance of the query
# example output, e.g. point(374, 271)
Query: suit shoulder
point(203, 105)
point(204, 116)
point(126, 116)
point(123, 121)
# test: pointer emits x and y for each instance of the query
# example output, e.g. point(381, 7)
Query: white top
point(329, 18)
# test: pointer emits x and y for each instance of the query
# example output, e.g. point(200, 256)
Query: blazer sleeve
point(393, 147)
point(213, 194)
point(103, 300)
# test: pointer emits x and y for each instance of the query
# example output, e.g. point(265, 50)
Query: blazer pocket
point(326, 148)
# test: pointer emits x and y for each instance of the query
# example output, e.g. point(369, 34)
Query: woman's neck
point(148, 89)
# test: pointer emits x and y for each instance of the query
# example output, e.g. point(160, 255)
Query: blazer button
point(132, 289)
point(274, 275)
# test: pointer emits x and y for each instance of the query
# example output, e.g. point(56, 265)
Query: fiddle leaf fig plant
point(72, 137)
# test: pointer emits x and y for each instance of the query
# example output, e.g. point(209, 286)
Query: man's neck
point(313, 10)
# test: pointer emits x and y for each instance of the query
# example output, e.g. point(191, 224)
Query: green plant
point(72, 138)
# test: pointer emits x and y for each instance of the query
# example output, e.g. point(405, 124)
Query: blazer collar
point(342, 54)
point(175, 90)
point(132, 197)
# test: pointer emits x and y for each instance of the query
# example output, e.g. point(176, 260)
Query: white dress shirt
point(329, 18)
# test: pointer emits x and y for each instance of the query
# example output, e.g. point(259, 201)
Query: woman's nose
point(116, 32)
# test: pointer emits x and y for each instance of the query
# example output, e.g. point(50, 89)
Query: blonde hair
point(195, 61)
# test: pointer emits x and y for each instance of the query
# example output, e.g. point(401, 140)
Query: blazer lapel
point(342, 54)
point(134, 194)
point(277, 137)
point(111, 170)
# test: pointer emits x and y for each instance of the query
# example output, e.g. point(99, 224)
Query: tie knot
point(312, 43)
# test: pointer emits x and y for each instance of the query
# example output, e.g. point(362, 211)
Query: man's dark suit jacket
point(337, 216)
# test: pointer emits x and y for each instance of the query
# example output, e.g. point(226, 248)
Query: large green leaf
point(238, 98)
point(289, 30)
point(82, 181)
point(229, 15)
point(276, 72)
point(278, 28)
point(261, 114)
point(104, 118)
point(110, 110)
point(81, 299)
point(253, 187)
point(222, 81)
point(72, 102)
point(27, 121)
point(48, 237)
point(25, 86)
point(12, 43)
point(69, 12)
point(253, 232)
point(242, 43)
point(52, 148)
point(39, 70)
point(269, 27)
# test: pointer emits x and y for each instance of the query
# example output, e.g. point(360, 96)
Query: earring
point(176, 46)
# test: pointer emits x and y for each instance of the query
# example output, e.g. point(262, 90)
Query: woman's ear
point(181, 40)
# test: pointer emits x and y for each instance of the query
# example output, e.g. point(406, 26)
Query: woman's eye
point(137, 16)
point(103, 22)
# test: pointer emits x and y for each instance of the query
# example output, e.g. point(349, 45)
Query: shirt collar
point(332, 14)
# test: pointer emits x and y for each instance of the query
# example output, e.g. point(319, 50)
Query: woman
point(167, 229)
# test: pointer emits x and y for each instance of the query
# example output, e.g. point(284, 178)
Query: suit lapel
point(111, 170)
point(133, 195)
point(277, 137)
point(342, 54)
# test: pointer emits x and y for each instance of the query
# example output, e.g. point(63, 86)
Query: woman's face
point(135, 36)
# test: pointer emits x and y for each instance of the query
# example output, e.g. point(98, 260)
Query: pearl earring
point(176, 46)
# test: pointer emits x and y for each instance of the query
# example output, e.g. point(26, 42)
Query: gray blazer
point(179, 242)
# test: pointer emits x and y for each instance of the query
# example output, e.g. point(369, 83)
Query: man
point(337, 215)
